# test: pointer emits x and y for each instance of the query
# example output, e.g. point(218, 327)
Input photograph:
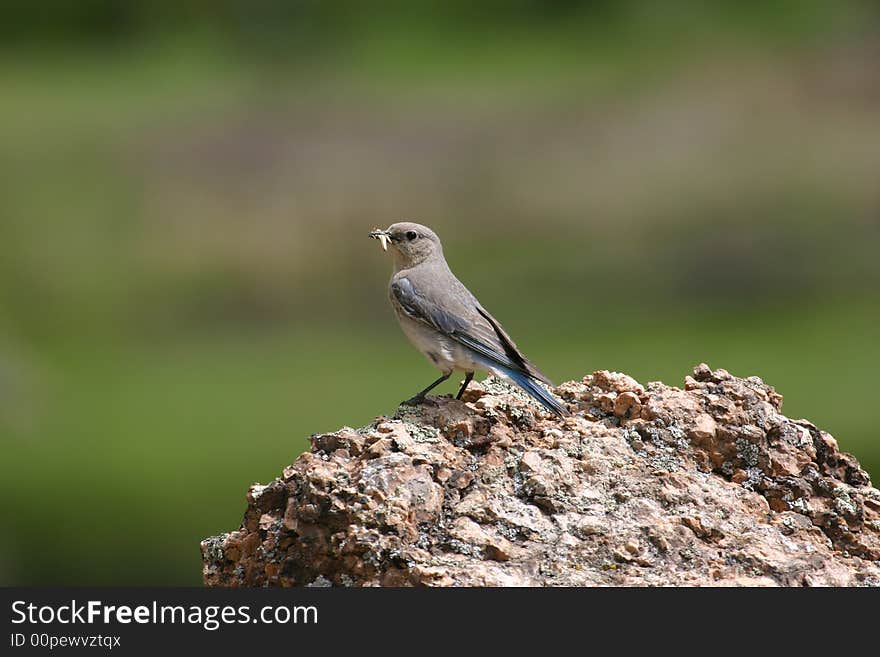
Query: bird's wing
point(510, 347)
point(479, 331)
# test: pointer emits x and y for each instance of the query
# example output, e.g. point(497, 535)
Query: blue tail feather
point(535, 389)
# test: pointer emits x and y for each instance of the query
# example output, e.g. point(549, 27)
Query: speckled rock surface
point(643, 485)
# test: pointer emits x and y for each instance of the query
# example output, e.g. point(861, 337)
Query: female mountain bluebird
point(446, 322)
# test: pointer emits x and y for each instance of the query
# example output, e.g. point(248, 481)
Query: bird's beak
point(382, 236)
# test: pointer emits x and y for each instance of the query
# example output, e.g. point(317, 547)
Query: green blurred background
point(187, 290)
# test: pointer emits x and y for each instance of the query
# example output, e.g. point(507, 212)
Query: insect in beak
point(382, 236)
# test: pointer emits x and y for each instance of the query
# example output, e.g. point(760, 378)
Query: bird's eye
point(411, 235)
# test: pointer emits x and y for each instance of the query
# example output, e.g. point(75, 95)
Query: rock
point(469, 532)
point(617, 382)
point(627, 406)
point(703, 429)
point(642, 485)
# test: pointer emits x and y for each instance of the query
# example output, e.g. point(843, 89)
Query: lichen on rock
point(642, 485)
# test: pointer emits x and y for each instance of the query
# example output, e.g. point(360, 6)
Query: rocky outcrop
point(642, 485)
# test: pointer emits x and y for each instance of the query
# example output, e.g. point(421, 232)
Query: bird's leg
point(467, 379)
point(419, 398)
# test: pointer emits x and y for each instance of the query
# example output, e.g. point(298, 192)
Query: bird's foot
point(418, 400)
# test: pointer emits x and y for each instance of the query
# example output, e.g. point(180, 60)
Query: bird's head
point(411, 244)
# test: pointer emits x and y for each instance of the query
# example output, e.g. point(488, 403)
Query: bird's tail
point(535, 389)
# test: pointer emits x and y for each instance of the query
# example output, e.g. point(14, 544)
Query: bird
point(445, 322)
